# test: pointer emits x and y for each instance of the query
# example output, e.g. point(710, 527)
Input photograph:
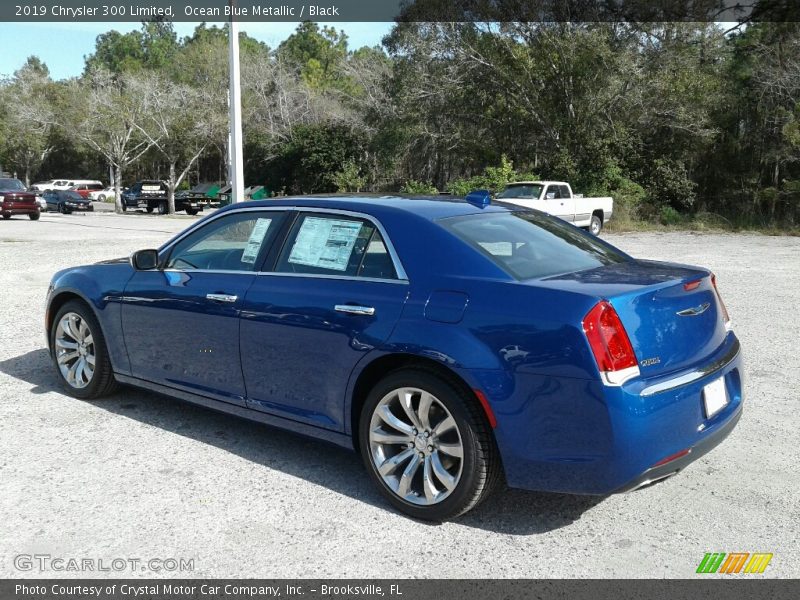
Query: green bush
point(669, 216)
point(419, 188)
point(493, 179)
point(349, 179)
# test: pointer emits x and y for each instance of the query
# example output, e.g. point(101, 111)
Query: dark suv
point(16, 200)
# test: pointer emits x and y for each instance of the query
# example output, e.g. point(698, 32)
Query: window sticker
point(325, 243)
point(256, 239)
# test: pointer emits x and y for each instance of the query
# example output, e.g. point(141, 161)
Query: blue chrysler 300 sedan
point(453, 343)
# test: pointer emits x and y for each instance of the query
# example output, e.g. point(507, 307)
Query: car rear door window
point(235, 242)
point(331, 244)
point(530, 245)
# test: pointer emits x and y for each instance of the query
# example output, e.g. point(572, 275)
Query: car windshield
point(531, 191)
point(12, 185)
point(70, 195)
point(531, 245)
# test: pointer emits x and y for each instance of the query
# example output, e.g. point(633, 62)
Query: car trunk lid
point(671, 313)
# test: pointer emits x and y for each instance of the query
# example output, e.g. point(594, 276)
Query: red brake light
point(692, 285)
point(725, 317)
point(610, 344)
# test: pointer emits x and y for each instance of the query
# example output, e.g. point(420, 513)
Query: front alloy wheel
point(79, 351)
point(427, 445)
point(74, 350)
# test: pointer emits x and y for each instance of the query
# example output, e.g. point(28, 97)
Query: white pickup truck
point(556, 198)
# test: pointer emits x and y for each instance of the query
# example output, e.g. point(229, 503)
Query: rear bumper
point(579, 436)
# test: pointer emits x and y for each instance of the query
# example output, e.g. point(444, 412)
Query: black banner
point(400, 10)
point(722, 588)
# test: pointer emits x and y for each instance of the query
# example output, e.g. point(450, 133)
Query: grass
point(703, 222)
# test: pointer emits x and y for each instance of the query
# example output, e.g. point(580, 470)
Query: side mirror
point(144, 260)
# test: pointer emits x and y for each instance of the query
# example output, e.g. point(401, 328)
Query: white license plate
point(715, 397)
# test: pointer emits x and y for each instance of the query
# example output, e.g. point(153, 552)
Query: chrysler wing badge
point(694, 311)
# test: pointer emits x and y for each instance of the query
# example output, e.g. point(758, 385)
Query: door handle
point(222, 297)
point(352, 309)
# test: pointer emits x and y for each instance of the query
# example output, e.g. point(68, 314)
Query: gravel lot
point(140, 476)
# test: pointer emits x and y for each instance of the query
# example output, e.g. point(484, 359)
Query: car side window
point(328, 244)
point(564, 191)
point(235, 242)
point(552, 192)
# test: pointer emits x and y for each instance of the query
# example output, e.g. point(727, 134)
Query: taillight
point(725, 316)
point(610, 344)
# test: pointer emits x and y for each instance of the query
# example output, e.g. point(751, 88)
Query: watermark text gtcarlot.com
point(47, 562)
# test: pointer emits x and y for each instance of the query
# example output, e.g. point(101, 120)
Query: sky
point(62, 46)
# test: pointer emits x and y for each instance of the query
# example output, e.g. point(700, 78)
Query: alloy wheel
point(75, 350)
point(416, 446)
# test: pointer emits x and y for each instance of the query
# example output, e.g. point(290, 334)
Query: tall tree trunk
point(171, 189)
point(117, 189)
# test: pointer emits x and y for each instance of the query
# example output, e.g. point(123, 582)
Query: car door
point(556, 204)
point(181, 321)
point(335, 292)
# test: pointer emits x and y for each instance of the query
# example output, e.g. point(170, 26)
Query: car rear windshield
point(531, 191)
point(530, 245)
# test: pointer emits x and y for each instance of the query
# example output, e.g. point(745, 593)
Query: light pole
point(236, 168)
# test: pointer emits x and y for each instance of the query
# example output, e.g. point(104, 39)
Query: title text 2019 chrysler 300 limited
point(453, 343)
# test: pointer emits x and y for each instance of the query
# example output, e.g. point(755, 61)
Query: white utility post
point(236, 167)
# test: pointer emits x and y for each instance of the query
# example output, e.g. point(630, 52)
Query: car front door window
point(232, 243)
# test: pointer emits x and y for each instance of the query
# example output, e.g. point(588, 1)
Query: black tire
point(191, 211)
point(102, 382)
point(33, 216)
point(481, 470)
point(6, 216)
point(149, 209)
point(63, 209)
point(124, 207)
point(101, 198)
point(595, 225)
point(162, 207)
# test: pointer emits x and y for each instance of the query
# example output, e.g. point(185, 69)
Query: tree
point(28, 118)
point(106, 113)
point(180, 122)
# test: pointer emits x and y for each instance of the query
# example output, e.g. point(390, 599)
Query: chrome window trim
point(402, 276)
point(326, 276)
point(695, 374)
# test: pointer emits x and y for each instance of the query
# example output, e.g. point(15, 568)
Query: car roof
point(426, 207)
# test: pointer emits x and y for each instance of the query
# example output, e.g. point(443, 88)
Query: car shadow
point(508, 511)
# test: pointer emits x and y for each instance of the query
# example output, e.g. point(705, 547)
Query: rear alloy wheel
point(162, 208)
point(79, 351)
point(595, 225)
point(427, 445)
point(33, 216)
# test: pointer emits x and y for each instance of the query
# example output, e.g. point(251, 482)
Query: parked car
point(450, 342)
point(16, 200)
point(556, 198)
point(67, 201)
point(152, 195)
point(85, 189)
point(42, 186)
point(102, 194)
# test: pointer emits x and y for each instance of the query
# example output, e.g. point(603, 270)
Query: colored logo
point(734, 562)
